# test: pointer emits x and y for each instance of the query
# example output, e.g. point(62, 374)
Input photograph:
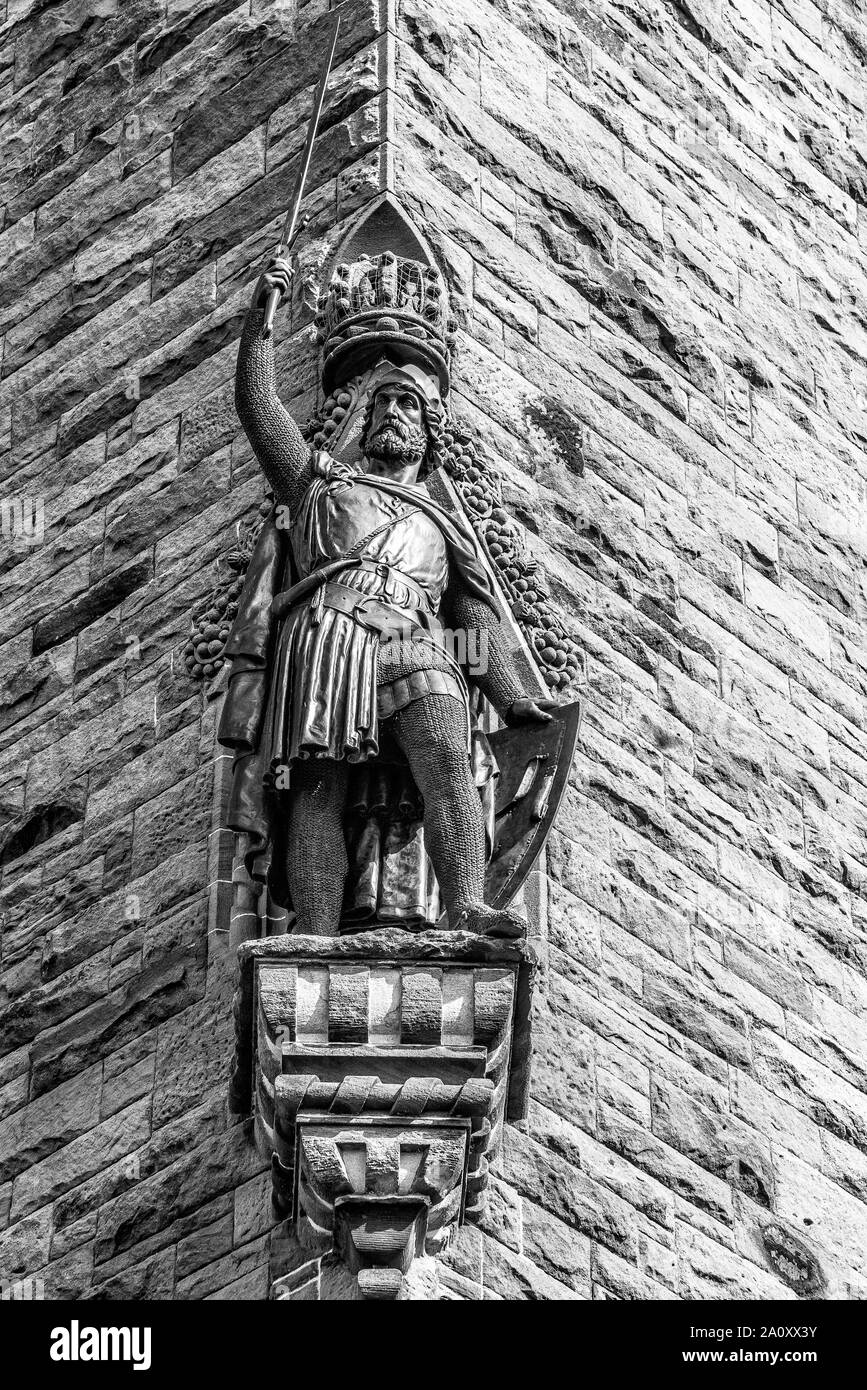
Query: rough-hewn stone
point(654, 226)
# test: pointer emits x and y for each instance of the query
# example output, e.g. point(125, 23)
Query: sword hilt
point(271, 305)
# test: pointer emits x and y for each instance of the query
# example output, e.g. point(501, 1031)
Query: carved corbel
point(380, 1068)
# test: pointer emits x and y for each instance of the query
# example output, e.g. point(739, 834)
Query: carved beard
point(398, 443)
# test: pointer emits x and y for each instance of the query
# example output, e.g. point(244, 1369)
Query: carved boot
point(491, 921)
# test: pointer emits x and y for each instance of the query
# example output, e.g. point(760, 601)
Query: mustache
point(396, 427)
point(395, 437)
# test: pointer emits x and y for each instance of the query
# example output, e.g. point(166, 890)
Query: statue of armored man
point(370, 627)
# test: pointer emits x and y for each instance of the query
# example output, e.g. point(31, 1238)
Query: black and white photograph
point(433, 674)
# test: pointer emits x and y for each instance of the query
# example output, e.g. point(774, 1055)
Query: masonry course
point(653, 221)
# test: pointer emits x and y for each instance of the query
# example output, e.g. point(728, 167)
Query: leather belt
point(368, 610)
point(389, 573)
point(318, 578)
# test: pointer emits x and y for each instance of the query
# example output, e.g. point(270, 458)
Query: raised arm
point(279, 446)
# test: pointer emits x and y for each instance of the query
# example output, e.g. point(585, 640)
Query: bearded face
point(396, 435)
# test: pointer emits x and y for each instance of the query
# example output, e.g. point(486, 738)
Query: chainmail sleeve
point(279, 446)
point(499, 683)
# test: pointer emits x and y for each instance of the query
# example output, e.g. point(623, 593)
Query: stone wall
point(653, 220)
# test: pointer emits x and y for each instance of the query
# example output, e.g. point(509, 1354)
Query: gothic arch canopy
point(384, 223)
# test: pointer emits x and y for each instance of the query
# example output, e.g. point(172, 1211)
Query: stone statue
point(353, 717)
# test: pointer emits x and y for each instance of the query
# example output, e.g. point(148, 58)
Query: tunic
point(334, 681)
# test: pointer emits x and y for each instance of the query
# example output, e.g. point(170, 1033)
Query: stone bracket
point(378, 1238)
point(379, 1069)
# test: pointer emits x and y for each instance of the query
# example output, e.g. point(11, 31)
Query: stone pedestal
point(379, 1069)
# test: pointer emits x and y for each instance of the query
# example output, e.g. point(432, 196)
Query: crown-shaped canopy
point(384, 304)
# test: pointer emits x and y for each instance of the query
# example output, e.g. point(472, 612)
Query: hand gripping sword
point(290, 226)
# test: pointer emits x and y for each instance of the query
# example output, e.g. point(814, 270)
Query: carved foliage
point(211, 623)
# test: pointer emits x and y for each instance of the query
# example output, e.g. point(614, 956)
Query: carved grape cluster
point(333, 412)
point(557, 653)
point(212, 623)
point(211, 627)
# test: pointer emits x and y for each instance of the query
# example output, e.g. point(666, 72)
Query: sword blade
point(290, 225)
point(301, 179)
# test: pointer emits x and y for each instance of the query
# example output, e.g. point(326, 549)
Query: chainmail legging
point(432, 734)
point(316, 867)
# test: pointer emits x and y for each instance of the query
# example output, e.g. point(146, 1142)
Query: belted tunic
point(362, 645)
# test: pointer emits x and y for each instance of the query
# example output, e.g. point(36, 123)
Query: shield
point(534, 762)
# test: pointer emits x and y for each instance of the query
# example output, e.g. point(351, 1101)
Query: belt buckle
point(373, 615)
point(364, 612)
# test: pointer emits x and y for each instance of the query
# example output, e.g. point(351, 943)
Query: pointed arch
point(383, 224)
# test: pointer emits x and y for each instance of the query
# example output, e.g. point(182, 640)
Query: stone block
point(557, 1186)
point(518, 1280)
point(716, 1141)
point(162, 990)
point(112, 1139)
point(660, 296)
point(556, 1248)
point(204, 1246)
point(149, 1206)
point(49, 1123)
point(24, 1246)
